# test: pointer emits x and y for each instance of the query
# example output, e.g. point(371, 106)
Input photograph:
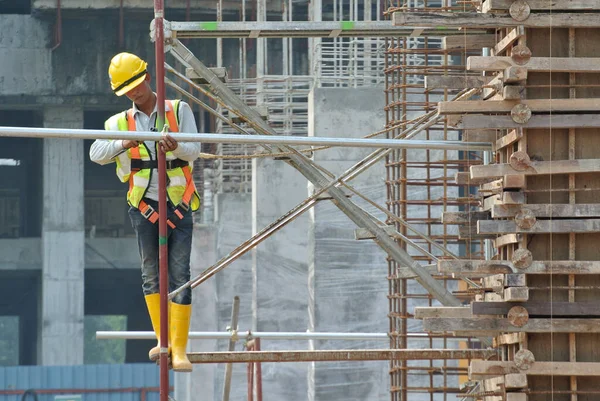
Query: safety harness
point(138, 164)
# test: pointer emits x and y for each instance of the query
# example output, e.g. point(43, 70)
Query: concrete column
point(279, 273)
point(61, 320)
point(347, 278)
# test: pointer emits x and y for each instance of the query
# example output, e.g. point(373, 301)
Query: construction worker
point(137, 164)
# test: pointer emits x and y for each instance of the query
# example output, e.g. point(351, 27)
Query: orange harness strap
point(146, 210)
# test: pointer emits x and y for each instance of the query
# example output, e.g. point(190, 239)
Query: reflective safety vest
point(181, 190)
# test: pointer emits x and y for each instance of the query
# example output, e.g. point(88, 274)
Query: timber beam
point(480, 20)
point(493, 324)
point(337, 355)
point(540, 309)
point(537, 168)
point(479, 370)
point(505, 106)
point(480, 268)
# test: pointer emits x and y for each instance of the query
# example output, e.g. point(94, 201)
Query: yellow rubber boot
point(180, 329)
point(153, 304)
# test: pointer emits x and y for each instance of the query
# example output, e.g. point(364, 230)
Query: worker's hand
point(168, 143)
point(126, 143)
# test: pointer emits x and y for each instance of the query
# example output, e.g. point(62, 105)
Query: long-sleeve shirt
point(104, 151)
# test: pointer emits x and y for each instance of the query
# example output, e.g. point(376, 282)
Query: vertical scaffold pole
point(159, 47)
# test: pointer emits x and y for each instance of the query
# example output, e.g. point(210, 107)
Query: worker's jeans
point(180, 246)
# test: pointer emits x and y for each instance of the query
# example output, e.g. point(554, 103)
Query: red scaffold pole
point(159, 46)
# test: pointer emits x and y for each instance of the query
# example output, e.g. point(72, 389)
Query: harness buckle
point(184, 205)
point(148, 212)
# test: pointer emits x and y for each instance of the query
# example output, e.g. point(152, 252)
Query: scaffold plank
point(455, 82)
point(549, 210)
point(476, 268)
point(481, 20)
point(538, 168)
point(463, 217)
point(337, 355)
point(556, 309)
point(468, 42)
point(299, 29)
point(464, 178)
point(540, 226)
point(493, 324)
point(478, 121)
point(538, 64)
point(510, 138)
point(479, 370)
point(539, 5)
point(505, 106)
point(479, 135)
point(422, 312)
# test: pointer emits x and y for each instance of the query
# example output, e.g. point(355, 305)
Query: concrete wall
point(280, 272)
point(347, 278)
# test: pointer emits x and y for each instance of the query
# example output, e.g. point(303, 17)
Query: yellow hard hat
point(126, 71)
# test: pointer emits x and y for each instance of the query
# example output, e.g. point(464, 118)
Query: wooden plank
point(470, 232)
point(505, 106)
point(491, 188)
point(539, 309)
point(493, 324)
point(548, 210)
point(514, 74)
point(514, 181)
point(541, 226)
point(513, 92)
point(479, 370)
point(515, 381)
point(510, 338)
point(536, 5)
point(480, 20)
point(539, 64)
point(516, 397)
point(510, 138)
point(509, 39)
point(464, 178)
point(516, 294)
point(494, 282)
point(477, 121)
point(422, 312)
point(479, 135)
point(538, 168)
point(479, 268)
point(463, 217)
point(506, 239)
point(468, 42)
point(455, 82)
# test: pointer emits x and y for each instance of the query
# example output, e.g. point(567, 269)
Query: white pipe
point(241, 139)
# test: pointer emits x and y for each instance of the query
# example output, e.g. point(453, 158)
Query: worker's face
point(141, 93)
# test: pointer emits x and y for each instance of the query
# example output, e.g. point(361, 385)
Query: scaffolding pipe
point(27, 132)
point(163, 254)
point(307, 168)
point(338, 355)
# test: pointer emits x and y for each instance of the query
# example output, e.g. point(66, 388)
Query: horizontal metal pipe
point(245, 139)
point(338, 355)
point(226, 335)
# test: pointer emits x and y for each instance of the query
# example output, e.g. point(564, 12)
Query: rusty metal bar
point(338, 355)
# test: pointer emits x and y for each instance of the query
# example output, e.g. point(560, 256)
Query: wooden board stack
point(540, 197)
